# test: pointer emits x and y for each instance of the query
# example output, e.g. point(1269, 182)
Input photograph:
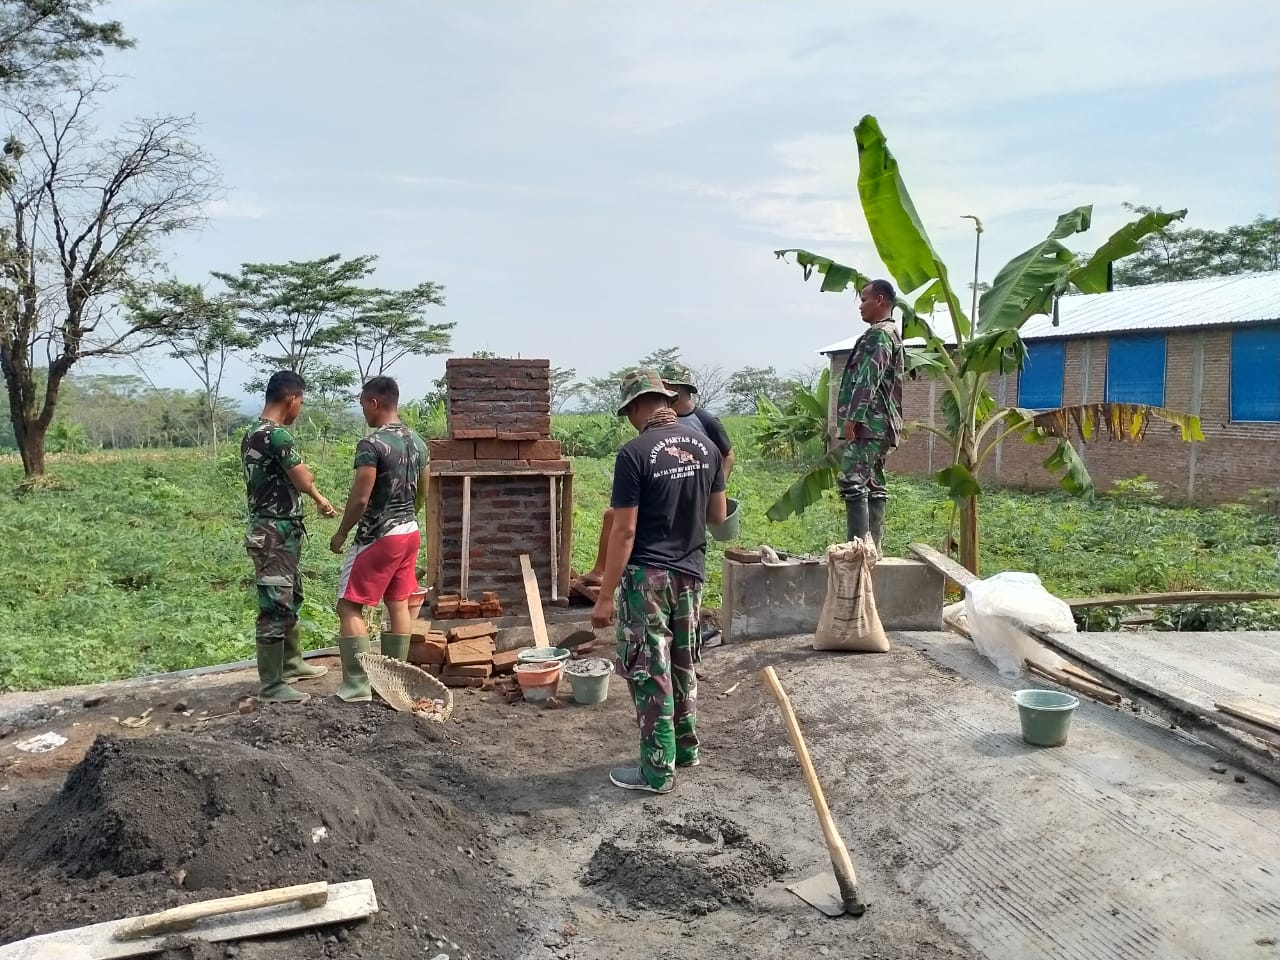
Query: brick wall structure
point(1234, 459)
point(501, 476)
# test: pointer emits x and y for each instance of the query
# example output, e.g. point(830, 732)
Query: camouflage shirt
point(399, 457)
point(267, 454)
point(871, 386)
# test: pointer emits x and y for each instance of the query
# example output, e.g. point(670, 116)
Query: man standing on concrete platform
point(381, 565)
point(668, 484)
point(679, 379)
point(274, 478)
point(869, 413)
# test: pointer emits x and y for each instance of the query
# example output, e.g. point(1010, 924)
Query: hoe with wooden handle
point(834, 894)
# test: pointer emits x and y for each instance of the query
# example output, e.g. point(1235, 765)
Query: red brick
point(466, 652)
point(505, 662)
point(424, 652)
point(498, 450)
point(420, 629)
point(473, 433)
point(481, 670)
point(540, 450)
point(468, 609)
point(472, 631)
point(452, 449)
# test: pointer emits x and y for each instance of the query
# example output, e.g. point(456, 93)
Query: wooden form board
point(534, 599)
point(345, 901)
point(953, 571)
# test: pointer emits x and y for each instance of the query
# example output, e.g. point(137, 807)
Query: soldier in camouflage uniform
point(668, 484)
point(274, 479)
point(381, 566)
point(869, 413)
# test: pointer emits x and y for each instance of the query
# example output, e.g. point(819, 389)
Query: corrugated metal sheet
point(1185, 304)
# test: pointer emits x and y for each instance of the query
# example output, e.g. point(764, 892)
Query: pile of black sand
point(286, 796)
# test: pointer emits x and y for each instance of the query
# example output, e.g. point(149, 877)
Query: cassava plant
point(974, 424)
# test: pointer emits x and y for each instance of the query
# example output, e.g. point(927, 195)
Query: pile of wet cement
point(286, 796)
point(684, 866)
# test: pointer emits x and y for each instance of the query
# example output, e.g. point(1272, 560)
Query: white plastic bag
point(991, 607)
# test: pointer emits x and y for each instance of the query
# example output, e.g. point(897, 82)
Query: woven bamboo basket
point(402, 685)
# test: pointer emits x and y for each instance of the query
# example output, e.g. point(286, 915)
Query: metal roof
point(1178, 305)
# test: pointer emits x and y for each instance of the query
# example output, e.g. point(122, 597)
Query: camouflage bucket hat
point(636, 383)
point(678, 375)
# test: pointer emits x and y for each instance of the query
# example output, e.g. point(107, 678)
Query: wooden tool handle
point(840, 862)
point(308, 895)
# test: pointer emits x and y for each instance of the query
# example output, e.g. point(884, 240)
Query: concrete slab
point(1121, 845)
point(767, 601)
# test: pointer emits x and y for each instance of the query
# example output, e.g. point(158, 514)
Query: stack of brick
point(452, 605)
point(498, 399)
point(461, 657)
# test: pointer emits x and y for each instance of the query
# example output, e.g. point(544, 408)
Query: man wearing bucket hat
point(668, 484)
point(869, 412)
point(678, 378)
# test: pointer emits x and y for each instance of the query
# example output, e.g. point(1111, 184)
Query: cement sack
point(849, 619)
point(993, 605)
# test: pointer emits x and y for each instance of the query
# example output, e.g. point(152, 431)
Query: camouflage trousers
point(862, 470)
point(275, 546)
point(658, 645)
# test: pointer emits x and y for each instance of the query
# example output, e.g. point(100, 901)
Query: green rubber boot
point(296, 668)
point(857, 523)
point(875, 521)
point(396, 645)
point(271, 685)
point(355, 682)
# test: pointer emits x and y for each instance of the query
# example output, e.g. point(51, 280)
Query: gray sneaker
point(630, 778)
point(689, 763)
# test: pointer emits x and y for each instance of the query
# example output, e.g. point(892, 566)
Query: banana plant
point(973, 423)
point(802, 417)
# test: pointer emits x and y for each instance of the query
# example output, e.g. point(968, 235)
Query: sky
point(591, 181)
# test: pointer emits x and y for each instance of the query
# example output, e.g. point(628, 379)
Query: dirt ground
point(497, 836)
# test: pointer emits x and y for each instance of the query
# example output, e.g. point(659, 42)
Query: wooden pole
point(466, 536)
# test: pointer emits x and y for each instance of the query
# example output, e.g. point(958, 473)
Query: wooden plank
point(553, 537)
point(435, 536)
point(534, 600)
point(306, 895)
point(513, 472)
point(1167, 683)
point(943, 564)
point(1182, 596)
point(1106, 695)
point(346, 902)
point(1259, 713)
point(566, 534)
point(466, 536)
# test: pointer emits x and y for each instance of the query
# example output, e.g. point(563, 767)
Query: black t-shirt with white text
point(669, 474)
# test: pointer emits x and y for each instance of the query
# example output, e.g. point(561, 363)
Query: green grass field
point(138, 566)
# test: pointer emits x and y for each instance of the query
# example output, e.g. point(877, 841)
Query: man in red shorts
point(381, 564)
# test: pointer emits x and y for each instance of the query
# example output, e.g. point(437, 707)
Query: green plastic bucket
point(589, 679)
point(1045, 716)
point(727, 529)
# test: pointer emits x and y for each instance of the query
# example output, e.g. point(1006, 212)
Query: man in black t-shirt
point(668, 484)
point(679, 379)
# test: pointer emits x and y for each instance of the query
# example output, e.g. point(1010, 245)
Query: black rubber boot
point(856, 519)
point(875, 517)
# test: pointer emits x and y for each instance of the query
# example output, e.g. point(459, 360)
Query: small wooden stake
point(466, 535)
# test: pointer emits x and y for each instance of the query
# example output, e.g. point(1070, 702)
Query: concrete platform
point(1121, 845)
point(767, 601)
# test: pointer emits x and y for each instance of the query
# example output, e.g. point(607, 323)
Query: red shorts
point(386, 569)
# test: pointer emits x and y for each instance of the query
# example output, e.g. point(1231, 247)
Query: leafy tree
point(600, 394)
point(786, 428)
point(45, 42)
point(1187, 253)
point(299, 308)
point(1029, 284)
point(386, 326)
point(203, 334)
point(563, 388)
point(748, 385)
point(79, 221)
